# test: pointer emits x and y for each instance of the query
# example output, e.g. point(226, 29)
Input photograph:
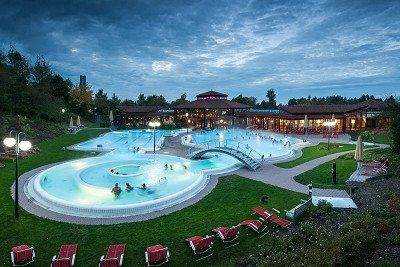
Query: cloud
point(132, 47)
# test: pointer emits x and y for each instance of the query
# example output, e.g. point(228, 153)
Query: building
point(140, 116)
point(213, 109)
point(82, 80)
point(208, 110)
point(290, 119)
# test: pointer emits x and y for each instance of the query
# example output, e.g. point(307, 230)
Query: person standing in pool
point(128, 187)
point(116, 190)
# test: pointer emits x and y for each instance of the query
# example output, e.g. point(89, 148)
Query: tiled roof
point(322, 109)
point(139, 109)
point(212, 103)
point(212, 93)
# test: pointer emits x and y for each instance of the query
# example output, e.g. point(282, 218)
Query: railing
point(229, 144)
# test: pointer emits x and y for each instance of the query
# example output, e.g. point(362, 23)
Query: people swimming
point(166, 166)
point(143, 186)
point(128, 187)
point(116, 190)
point(170, 167)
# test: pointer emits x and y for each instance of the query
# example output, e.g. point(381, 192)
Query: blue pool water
point(142, 139)
point(271, 145)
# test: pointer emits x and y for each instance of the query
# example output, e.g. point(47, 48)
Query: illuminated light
point(9, 142)
point(353, 121)
point(63, 110)
point(329, 123)
point(25, 145)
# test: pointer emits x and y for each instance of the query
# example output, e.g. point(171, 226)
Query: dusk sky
point(300, 48)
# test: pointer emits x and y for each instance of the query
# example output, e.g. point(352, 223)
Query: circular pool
point(83, 187)
point(127, 170)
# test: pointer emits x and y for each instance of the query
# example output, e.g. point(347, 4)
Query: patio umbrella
point(358, 156)
point(333, 117)
point(111, 116)
point(78, 121)
point(71, 123)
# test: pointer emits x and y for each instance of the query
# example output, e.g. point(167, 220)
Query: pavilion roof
point(212, 104)
point(212, 93)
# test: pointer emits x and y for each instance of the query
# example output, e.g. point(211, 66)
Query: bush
point(366, 136)
point(323, 207)
point(325, 147)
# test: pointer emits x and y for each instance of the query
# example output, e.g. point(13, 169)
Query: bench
point(298, 210)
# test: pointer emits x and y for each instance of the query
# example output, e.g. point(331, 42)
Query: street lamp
point(154, 124)
point(18, 145)
point(187, 126)
point(329, 124)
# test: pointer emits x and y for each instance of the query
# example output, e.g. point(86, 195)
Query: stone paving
point(268, 173)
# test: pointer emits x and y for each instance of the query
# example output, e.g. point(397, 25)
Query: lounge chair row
point(158, 254)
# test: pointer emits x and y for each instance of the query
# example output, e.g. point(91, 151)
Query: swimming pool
point(261, 144)
point(83, 187)
point(127, 139)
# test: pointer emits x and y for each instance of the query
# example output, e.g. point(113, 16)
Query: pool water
point(271, 145)
point(142, 139)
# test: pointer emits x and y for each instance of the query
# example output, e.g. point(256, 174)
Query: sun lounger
point(258, 226)
point(375, 164)
point(156, 255)
point(228, 235)
point(269, 216)
point(201, 246)
point(22, 255)
point(66, 256)
point(375, 171)
point(114, 256)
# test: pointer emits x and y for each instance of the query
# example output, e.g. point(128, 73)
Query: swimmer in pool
point(116, 190)
point(166, 166)
point(128, 187)
point(144, 187)
point(170, 167)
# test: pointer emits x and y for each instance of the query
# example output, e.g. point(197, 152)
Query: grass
point(313, 152)
point(223, 206)
point(321, 176)
point(382, 139)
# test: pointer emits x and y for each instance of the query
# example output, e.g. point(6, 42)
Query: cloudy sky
point(300, 48)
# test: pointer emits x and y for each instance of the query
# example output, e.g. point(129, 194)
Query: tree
point(101, 104)
point(82, 99)
point(180, 100)
point(114, 102)
point(251, 101)
point(393, 112)
point(271, 96)
point(41, 71)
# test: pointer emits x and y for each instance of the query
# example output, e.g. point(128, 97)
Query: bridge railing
point(230, 144)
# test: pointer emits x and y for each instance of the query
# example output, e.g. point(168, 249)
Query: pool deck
point(268, 173)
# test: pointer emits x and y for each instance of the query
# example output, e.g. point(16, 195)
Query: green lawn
point(382, 139)
point(228, 204)
point(312, 152)
point(321, 176)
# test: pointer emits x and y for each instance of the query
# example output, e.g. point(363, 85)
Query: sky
point(299, 48)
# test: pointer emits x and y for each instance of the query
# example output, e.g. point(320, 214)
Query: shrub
point(323, 207)
point(394, 204)
point(325, 147)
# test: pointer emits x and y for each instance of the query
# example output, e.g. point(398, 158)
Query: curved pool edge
point(41, 199)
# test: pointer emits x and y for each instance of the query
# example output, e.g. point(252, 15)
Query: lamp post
point(154, 124)
point(18, 145)
point(187, 126)
point(329, 124)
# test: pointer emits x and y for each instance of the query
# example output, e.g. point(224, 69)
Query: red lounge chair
point(375, 164)
point(375, 171)
point(156, 255)
point(228, 235)
point(114, 256)
point(22, 255)
point(66, 256)
point(201, 245)
point(259, 225)
point(269, 216)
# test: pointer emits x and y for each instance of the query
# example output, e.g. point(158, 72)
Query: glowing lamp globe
point(9, 142)
point(25, 145)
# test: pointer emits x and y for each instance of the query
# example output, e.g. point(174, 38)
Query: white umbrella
point(111, 116)
point(358, 156)
point(78, 121)
point(333, 117)
point(71, 123)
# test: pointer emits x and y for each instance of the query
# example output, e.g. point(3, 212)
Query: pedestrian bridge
point(244, 156)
